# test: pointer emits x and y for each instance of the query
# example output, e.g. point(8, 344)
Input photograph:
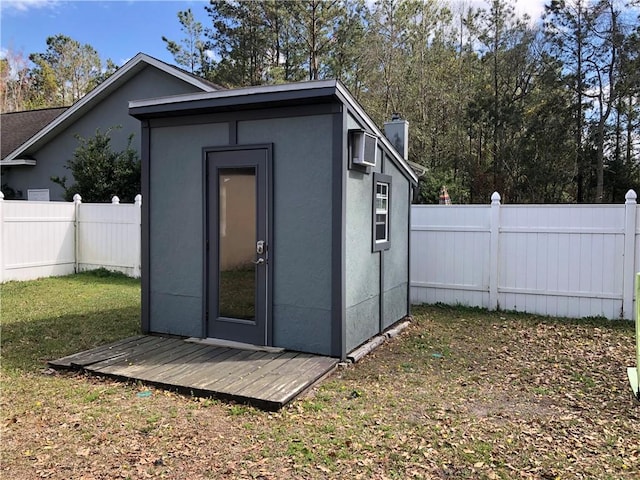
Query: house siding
point(362, 265)
point(110, 112)
point(369, 310)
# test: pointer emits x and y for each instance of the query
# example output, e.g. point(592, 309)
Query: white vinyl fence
point(43, 239)
point(558, 260)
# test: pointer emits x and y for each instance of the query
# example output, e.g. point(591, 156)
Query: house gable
point(104, 108)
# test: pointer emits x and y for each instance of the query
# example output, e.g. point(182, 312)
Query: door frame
point(209, 246)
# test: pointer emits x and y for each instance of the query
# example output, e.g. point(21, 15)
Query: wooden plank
point(176, 358)
point(126, 349)
point(255, 387)
point(253, 371)
point(97, 354)
point(238, 363)
point(130, 354)
point(196, 372)
point(296, 386)
point(265, 379)
point(81, 357)
point(265, 368)
point(145, 360)
point(295, 376)
point(138, 359)
point(177, 373)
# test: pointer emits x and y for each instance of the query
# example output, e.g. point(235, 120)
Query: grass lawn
point(460, 394)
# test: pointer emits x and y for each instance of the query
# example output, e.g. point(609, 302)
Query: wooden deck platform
point(265, 379)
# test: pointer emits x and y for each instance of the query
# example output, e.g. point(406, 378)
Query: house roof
point(262, 97)
point(18, 127)
point(60, 122)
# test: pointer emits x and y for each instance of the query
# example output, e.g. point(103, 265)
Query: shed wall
point(368, 312)
point(396, 259)
point(362, 265)
point(302, 231)
point(176, 233)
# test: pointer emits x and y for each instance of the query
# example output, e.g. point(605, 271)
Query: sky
point(116, 29)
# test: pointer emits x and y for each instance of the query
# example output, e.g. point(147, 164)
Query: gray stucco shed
point(275, 215)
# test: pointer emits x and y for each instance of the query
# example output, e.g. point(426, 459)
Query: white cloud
point(533, 8)
point(26, 5)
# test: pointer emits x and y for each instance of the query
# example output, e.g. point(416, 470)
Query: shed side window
point(381, 204)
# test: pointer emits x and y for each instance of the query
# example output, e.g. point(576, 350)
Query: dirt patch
point(459, 394)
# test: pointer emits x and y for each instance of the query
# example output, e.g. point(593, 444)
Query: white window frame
point(381, 211)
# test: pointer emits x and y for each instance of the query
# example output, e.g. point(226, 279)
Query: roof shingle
point(18, 127)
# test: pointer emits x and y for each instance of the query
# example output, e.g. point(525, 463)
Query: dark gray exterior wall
point(367, 311)
point(362, 265)
point(302, 230)
point(112, 111)
point(396, 265)
point(176, 225)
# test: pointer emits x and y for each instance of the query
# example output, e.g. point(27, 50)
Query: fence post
point(629, 254)
point(77, 200)
point(494, 252)
point(138, 240)
point(1, 237)
point(115, 200)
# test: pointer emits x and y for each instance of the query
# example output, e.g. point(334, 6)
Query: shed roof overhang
point(303, 93)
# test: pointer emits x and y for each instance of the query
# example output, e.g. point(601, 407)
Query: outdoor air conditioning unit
point(363, 148)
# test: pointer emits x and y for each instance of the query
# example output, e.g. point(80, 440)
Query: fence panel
point(109, 237)
point(46, 239)
point(559, 260)
point(564, 260)
point(450, 254)
point(37, 239)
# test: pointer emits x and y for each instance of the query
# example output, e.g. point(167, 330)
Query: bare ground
point(460, 394)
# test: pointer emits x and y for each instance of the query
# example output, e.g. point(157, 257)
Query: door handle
point(258, 261)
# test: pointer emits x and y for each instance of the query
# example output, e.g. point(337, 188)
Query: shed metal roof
point(317, 91)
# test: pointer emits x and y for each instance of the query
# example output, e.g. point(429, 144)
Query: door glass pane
point(237, 242)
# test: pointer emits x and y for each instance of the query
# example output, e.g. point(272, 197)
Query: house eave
point(17, 161)
point(234, 99)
